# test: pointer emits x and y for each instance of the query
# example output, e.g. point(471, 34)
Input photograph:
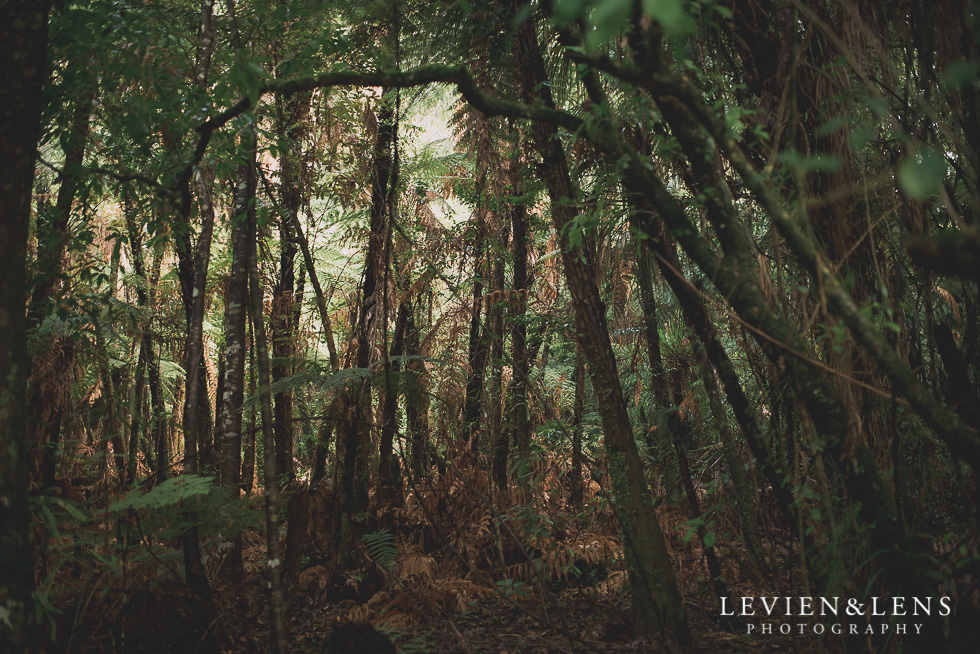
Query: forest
point(489, 326)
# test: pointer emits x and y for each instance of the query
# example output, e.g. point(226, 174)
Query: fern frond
point(381, 548)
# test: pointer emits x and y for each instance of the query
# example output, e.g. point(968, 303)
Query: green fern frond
point(381, 547)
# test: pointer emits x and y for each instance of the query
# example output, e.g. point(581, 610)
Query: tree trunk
point(353, 442)
point(273, 561)
point(658, 377)
point(160, 435)
point(736, 277)
point(477, 351)
point(236, 304)
point(135, 415)
point(326, 427)
point(294, 114)
point(656, 600)
point(518, 425)
point(195, 391)
point(188, 273)
point(681, 430)
point(194, 348)
point(248, 455)
point(23, 41)
point(387, 465)
point(321, 302)
point(577, 427)
point(658, 380)
point(388, 470)
point(52, 246)
point(193, 566)
point(754, 555)
point(323, 435)
point(47, 401)
point(495, 334)
point(416, 399)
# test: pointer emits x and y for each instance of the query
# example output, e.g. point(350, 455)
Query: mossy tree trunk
point(657, 604)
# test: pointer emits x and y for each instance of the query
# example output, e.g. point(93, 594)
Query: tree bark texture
point(273, 560)
point(23, 42)
point(353, 435)
point(294, 114)
point(656, 600)
point(229, 442)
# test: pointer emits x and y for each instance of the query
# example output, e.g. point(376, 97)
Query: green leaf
point(861, 135)
point(608, 19)
point(723, 11)
point(877, 105)
point(671, 15)
point(169, 492)
point(565, 11)
point(812, 163)
point(734, 119)
point(709, 539)
point(921, 176)
point(835, 124)
point(522, 15)
point(381, 546)
point(960, 74)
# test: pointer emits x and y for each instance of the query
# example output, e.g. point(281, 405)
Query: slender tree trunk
point(518, 425)
point(321, 303)
point(754, 554)
point(47, 402)
point(577, 427)
point(416, 400)
point(23, 41)
point(193, 566)
point(52, 247)
point(680, 427)
point(219, 390)
point(236, 304)
point(662, 249)
point(326, 427)
point(658, 377)
point(135, 415)
point(273, 559)
point(195, 389)
point(297, 496)
point(160, 442)
point(111, 424)
point(656, 600)
point(191, 281)
point(388, 469)
point(353, 441)
point(387, 465)
point(658, 380)
point(477, 351)
point(194, 348)
point(294, 114)
point(495, 334)
point(323, 435)
point(248, 455)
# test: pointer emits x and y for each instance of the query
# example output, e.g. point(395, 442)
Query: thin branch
point(120, 176)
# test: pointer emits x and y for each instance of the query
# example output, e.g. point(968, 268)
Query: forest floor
point(453, 613)
point(453, 581)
